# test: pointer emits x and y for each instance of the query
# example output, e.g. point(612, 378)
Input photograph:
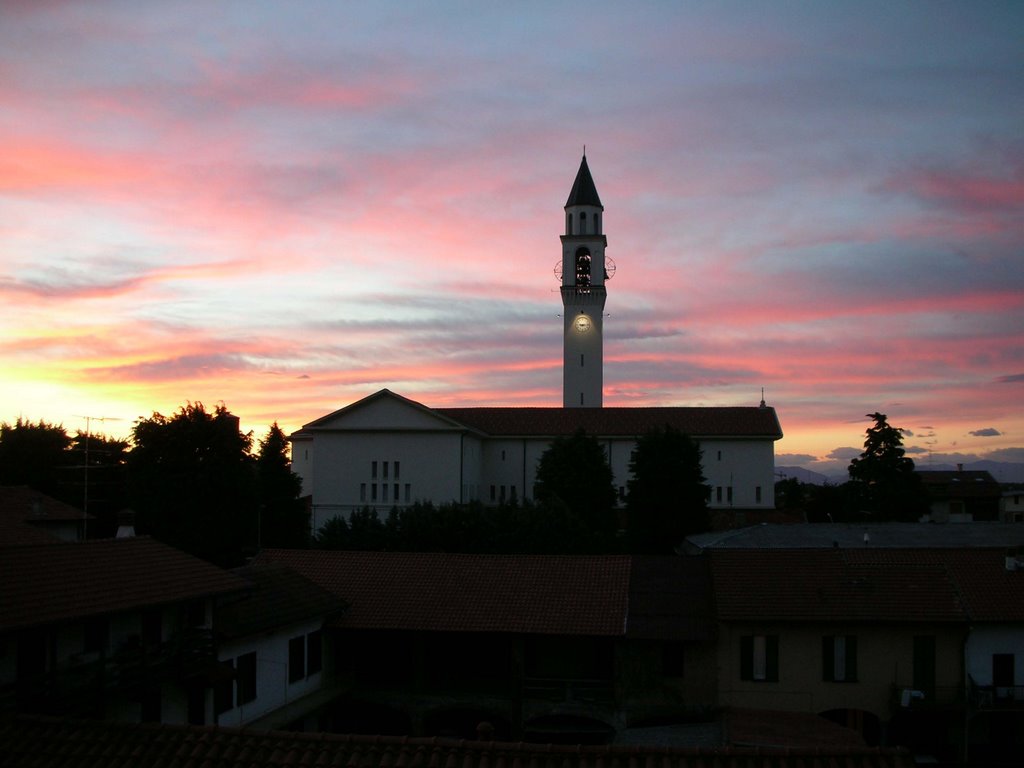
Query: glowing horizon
point(285, 210)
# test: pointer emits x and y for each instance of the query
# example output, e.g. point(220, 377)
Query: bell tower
point(582, 272)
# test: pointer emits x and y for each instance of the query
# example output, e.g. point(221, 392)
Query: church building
point(386, 450)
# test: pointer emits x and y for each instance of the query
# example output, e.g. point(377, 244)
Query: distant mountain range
point(1002, 471)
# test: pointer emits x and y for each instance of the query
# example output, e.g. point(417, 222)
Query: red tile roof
point(43, 584)
point(988, 591)
point(832, 585)
point(277, 597)
point(532, 594)
point(618, 422)
point(670, 599)
point(30, 742)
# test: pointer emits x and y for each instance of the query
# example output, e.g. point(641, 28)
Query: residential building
point(961, 496)
point(118, 629)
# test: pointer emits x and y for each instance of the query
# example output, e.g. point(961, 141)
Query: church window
point(597, 223)
point(719, 455)
point(494, 492)
point(384, 492)
point(583, 267)
point(581, 361)
point(728, 494)
point(718, 494)
point(384, 467)
point(408, 492)
point(581, 398)
point(757, 494)
point(502, 496)
point(512, 493)
point(396, 470)
point(373, 492)
point(373, 470)
point(396, 492)
point(362, 491)
point(583, 222)
point(502, 454)
point(568, 223)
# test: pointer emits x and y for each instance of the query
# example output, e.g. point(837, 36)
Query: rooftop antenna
point(85, 490)
point(762, 397)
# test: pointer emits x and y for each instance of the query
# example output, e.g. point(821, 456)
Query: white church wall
point(742, 465)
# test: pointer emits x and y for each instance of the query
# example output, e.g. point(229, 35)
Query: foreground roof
point(64, 581)
point(530, 594)
point(35, 742)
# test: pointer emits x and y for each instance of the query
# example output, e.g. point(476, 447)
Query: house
point(1011, 505)
point(27, 516)
point(961, 496)
point(277, 667)
point(386, 450)
point(117, 629)
point(571, 649)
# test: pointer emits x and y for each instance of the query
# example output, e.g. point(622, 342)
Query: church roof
point(583, 190)
point(759, 422)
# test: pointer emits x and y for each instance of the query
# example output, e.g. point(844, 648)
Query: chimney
point(125, 524)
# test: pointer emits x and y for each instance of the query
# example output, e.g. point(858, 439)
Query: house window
point(246, 674)
point(314, 652)
point(839, 658)
point(757, 494)
point(759, 658)
point(728, 494)
point(373, 470)
point(718, 494)
point(924, 664)
point(224, 688)
point(296, 658)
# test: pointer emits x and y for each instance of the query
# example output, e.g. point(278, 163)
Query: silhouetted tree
point(789, 494)
point(37, 455)
point(668, 494)
point(884, 476)
point(192, 483)
point(574, 478)
point(283, 521)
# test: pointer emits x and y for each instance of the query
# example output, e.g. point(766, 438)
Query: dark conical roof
point(583, 190)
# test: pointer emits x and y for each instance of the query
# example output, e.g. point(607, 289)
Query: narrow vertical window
point(373, 470)
point(408, 492)
point(384, 467)
point(757, 494)
point(384, 492)
point(396, 492)
point(397, 467)
point(494, 492)
point(718, 494)
point(728, 494)
point(373, 492)
point(581, 361)
point(362, 491)
point(296, 658)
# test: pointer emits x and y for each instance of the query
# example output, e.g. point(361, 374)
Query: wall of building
point(273, 689)
point(885, 666)
point(984, 641)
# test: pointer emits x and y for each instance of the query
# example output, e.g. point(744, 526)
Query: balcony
point(80, 682)
point(988, 698)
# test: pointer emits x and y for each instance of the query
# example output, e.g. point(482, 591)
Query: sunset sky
point(285, 207)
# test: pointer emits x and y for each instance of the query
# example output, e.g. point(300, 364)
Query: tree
point(573, 475)
point(192, 482)
point(37, 455)
point(98, 479)
point(884, 476)
point(668, 494)
point(284, 521)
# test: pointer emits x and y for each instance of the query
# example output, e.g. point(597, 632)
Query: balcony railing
point(990, 697)
point(567, 690)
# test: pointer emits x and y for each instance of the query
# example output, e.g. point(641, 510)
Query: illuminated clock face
point(582, 323)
